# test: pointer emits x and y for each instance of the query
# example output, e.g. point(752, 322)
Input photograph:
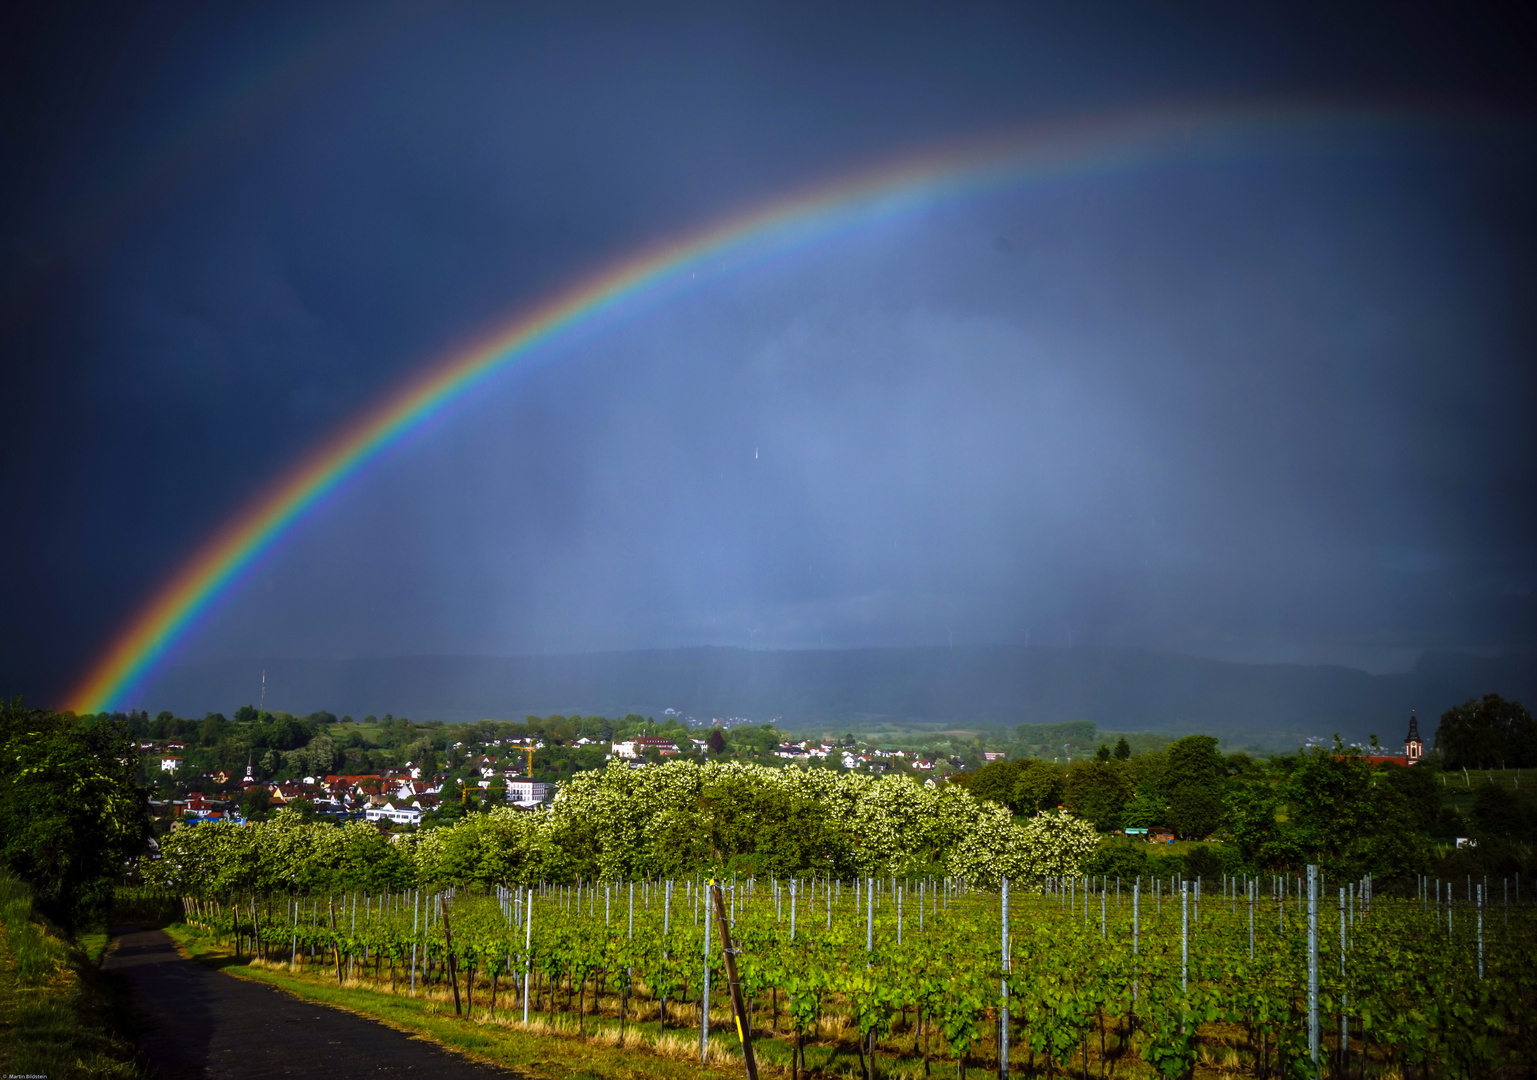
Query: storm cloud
point(1267, 401)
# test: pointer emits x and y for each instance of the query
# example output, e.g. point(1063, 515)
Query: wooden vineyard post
point(728, 951)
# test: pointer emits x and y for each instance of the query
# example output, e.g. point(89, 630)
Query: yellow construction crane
point(528, 748)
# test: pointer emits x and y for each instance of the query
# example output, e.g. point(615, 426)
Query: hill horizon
point(978, 686)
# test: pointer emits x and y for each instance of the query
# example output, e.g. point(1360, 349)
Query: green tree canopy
point(1037, 785)
point(1194, 786)
point(1488, 733)
point(1146, 809)
point(995, 782)
point(1097, 791)
point(71, 818)
point(1326, 806)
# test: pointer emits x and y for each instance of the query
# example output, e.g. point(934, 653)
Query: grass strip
point(55, 1016)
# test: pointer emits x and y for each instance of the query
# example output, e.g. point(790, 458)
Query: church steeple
point(1414, 748)
point(248, 777)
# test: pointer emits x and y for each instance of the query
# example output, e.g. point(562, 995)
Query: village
point(498, 772)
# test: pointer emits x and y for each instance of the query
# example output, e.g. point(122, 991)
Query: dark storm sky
point(1271, 405)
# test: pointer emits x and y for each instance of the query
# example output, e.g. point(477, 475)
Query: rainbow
point(952, 171)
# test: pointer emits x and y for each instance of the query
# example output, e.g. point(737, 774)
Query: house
point(170, 763)
point(527, 792)
point(199, 805)
point(992, 756)
point(637, 747)
point(484, 765)
point(398, 815)
point(408, 790)
point(288, 791)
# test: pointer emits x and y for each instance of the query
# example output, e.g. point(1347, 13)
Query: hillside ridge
point(976, 685)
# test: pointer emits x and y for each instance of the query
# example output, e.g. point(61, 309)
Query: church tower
point(1414, 749)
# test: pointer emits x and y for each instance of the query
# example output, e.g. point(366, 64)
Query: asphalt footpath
point(194, 1022)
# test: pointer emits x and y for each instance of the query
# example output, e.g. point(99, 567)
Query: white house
point(400, 815)
point(170, 763)
point(408, 790)
point(530, 792)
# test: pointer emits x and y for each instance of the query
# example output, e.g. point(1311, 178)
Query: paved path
point(199, 1024)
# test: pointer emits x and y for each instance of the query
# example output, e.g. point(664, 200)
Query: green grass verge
point(55, 1015)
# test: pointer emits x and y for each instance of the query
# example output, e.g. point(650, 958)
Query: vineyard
point(918, 977)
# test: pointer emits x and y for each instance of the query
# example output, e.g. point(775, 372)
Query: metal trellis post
point(1313, 965)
